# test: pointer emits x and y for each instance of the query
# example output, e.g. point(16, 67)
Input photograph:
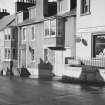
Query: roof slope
point(7, 21)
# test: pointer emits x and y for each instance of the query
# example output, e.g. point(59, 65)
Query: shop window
point(85, 6)
point(99, 46)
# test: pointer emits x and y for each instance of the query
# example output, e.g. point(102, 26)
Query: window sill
point(7, 40)
point(33, 61)
point(51, 36)
point(7, 59)
point(13, 39)
point(84, 14)
point(23, 40)
point(33, 40)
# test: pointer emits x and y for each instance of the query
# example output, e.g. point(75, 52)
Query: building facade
point(90, 27)
point(46, 36)
point(8, 45)
point(31, 37)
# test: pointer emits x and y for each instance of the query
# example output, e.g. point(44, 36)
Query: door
point(59, 64)
point(23, 57)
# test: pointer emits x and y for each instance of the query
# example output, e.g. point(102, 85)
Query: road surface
point(18, 91)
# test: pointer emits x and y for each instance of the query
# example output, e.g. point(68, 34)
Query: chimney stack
point(49, 8)
point(21, 5)
point(3, 12)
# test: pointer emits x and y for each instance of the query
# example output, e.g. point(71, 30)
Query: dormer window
point(20, 17)
point(32, 12)
point(63, 6)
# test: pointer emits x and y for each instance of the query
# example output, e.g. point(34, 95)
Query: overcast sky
point(8, 4)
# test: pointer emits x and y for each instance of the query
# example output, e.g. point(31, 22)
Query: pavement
point(24, 91)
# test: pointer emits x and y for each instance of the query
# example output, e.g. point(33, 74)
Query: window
point(73, 4)
point(33, 55)
point(24, 33)
point(50, 27)
point(60, 6)
point(33, 32)
point(61, 26)
point(13, 36)
point(45, 55)
point(14, 56)
point(13, 33)
point(0, 55)
point(47, 28)
point(53, 27)
point(7, 34)
point(9, 37)
point(5, 37)
point(20, 17)
point(7, 53)
point(32, 13)
point(64, 6)
point(99, 46)
point(85, 6)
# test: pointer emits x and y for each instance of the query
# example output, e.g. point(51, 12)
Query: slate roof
point(6, 21)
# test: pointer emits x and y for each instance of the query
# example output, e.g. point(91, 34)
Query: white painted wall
point(1, 48)
point(88, 24)
point(1, 38)
point(96, 16)
point(70, 33)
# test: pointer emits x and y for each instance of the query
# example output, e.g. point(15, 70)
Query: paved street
point(17, 91)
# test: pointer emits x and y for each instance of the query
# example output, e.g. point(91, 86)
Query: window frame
point(46, 55)
point(6, 57)
point(53, 27)
point(33, 55)
point(14, 56)
point(49, 28)
point(24, 33)
point(83, 7)
point(33, 33)
point(31, 11)
point(7, 34)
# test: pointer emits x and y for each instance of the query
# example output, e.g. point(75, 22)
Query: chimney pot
point(3, 10)
point(26, 1)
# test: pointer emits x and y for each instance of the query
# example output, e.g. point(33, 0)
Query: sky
point(8, 4)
